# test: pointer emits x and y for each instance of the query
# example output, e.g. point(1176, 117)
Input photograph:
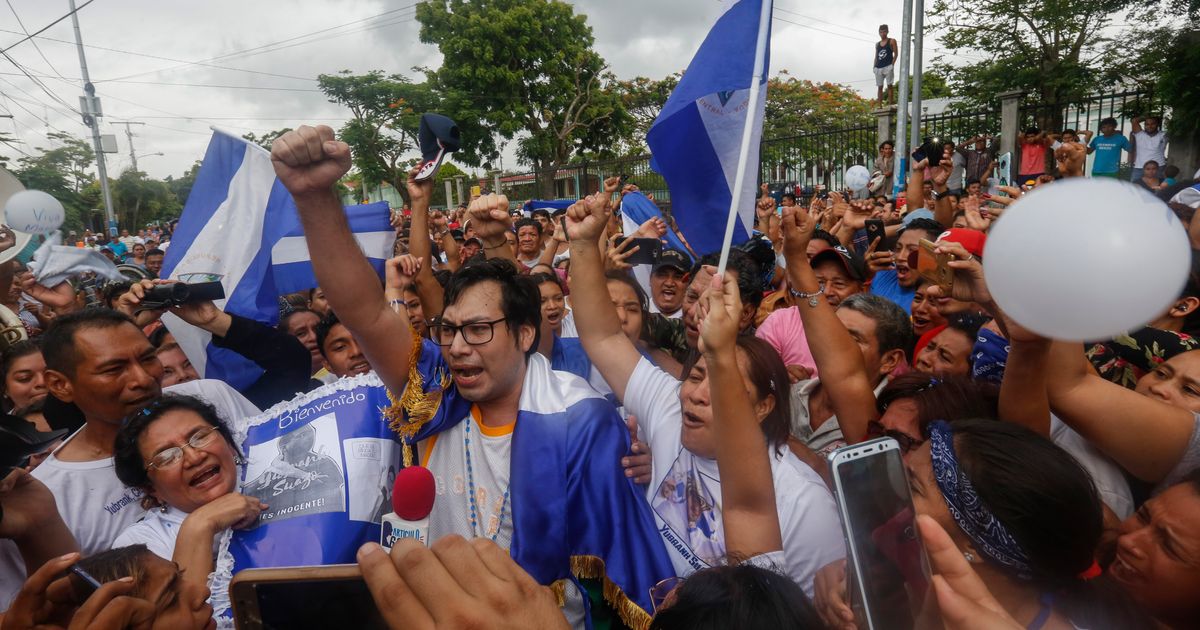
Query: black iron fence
point(822, 157)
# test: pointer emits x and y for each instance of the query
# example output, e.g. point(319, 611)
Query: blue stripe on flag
point(638, 208)
point(696, 150)
point(221, 161)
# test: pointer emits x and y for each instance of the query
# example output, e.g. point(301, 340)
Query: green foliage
point(522, 67)
point(643, 98)
point(796, 106)
point(266, 138)
point(387, 111)
point(138, 200)
point(182, 187)
point(1177, 84)
point(1051, 49)
point(62, 173)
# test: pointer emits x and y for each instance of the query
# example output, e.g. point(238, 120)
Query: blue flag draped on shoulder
point(697, 136)
point(240, 227)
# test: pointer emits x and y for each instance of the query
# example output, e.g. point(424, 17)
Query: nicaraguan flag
point(697, 136)
point(238, 227)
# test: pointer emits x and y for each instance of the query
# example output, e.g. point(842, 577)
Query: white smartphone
point(888, 573)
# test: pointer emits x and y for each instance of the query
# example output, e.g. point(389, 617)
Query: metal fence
point(817, 158)
point(1087, 113)
point(822, 157)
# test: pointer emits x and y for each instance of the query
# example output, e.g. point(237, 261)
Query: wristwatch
point(938, 195)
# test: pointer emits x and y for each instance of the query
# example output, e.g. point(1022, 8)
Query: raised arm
point(943, 210)
point(420, 246)
point(749, 515)
point(611, 352)
point(916, 182)
point(838, 358)
point(309, 161)
point(1145, 436)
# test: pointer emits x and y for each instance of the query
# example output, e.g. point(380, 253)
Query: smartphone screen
point(890, 572)
point(295, 605)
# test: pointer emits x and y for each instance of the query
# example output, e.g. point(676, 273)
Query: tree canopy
point(524, 70)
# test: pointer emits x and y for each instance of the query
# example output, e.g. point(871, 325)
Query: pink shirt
point(1033, 159)
point(785, 332)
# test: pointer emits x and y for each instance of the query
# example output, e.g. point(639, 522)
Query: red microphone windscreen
point(413, 493)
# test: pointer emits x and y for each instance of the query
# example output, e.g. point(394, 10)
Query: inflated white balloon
point(1086, 259)
point(857, 177)
point(33, 212)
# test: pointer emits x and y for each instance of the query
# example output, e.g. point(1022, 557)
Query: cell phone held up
point(647, 253)
point(888, 573)
point(932, 266)
point(876, 230)
point(302, 598)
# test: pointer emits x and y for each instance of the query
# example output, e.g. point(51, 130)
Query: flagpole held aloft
point(760, 53)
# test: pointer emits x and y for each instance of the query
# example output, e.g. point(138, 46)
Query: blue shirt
point(1108, 152)
point(886, 285)
point(568, 355)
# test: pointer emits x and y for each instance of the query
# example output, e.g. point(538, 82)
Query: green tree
point(1052, 50)
point(266, 138)
point(62, 173)
point(643, 98)
point(1177, 82)
point(797, 110)
point(138, 199)
point(523, 68)
point(182, 187)
point(386, 114)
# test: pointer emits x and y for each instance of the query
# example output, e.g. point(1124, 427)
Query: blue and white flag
point(697, 136)
point(236, 215)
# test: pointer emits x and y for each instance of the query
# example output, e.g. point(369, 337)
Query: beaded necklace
point(471, 487)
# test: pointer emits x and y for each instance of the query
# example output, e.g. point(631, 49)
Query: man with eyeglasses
point(523, 455)
point(102, 366)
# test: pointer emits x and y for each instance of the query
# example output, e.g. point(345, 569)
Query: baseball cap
point(971, 240)
point(854, 265)
point(672, 258)
point(19, 439)
point(438, 135)
point(919, 213)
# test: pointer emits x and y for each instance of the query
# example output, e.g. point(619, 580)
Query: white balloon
point(857, 177)
point(33, 212)
point(1086, 259)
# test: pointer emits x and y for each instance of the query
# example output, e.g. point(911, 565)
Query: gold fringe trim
point(559, 588)
point(592, 567)
point(415, 407)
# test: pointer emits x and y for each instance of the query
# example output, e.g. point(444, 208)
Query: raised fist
point(489, 218)
point(309, 160)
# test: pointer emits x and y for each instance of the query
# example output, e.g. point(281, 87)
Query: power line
point(252, 51)
point(39, 31)
point(38, 82)
point(34, 42)
point(858, 31)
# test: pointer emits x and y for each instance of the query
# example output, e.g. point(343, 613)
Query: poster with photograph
point(324, 463)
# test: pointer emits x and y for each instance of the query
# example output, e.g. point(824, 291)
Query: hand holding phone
point(647, 252)
point(876, 230)
point(888, 570)
point(932, 266)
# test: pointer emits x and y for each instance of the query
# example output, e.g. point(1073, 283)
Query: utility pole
point(902, 102)
point(917, 70)
point(129, 134)
point(91, 111)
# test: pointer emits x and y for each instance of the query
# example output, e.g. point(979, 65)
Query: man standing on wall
point(885, 59)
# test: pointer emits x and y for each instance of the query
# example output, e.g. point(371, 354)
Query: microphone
point(412, 501)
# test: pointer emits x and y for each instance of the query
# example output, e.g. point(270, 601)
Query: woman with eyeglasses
point(180, 455)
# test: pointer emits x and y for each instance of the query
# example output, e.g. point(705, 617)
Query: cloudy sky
point(250, 65)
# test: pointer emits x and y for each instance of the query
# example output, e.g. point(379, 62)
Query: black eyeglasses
point(474, 333)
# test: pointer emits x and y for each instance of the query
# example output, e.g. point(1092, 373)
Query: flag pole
point(760, 54)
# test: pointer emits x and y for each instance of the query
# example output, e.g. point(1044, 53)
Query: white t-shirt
point(568, 326)
point(445, 455)
point(1106, 476)
point(685, 491)
point(95, 506)
point(158, 531)
point(1148, 147)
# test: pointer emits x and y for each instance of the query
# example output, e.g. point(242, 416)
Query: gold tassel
point(592, 567)
point(559, 588)
point(415, 407)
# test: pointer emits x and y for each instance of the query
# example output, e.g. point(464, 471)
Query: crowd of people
point(1057, 485)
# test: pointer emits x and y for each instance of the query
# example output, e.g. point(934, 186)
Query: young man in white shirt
point(1149, 143)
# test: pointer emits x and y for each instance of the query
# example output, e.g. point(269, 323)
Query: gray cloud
point(636, 37)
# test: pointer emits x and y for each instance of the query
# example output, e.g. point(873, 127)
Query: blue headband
point(979, 524)
point(989, 356)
